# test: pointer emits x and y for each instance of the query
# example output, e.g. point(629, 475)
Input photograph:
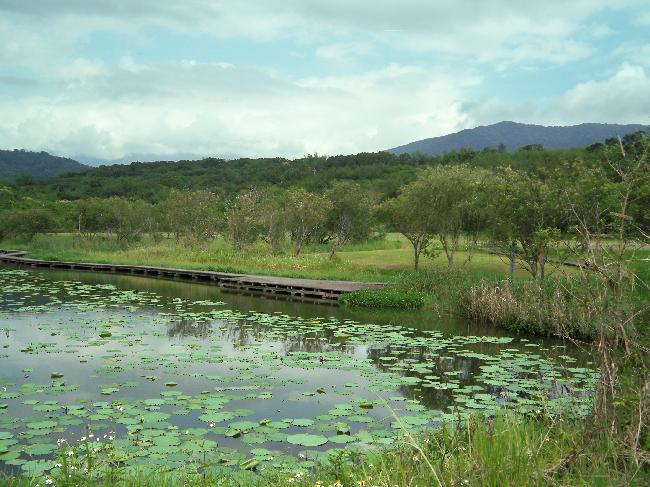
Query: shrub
point(25, 223)
point(384, 298)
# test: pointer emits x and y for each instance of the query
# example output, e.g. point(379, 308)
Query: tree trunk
point(332, 252)
point(450, 258)
point(513, 260)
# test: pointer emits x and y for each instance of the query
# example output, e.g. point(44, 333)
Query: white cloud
point(620, 98)
point(623, 97)
point(500, 30)
point(345, 51)
point(212, 109)
point(80, 103)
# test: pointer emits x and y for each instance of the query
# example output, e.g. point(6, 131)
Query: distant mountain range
point(515, 135)
point(39, 165)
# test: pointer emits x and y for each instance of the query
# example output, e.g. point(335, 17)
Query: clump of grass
point(554, 307)
point(384, 298)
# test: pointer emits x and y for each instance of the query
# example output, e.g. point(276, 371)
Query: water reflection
point(183, 328)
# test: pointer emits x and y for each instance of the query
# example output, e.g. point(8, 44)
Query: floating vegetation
point(176, 381)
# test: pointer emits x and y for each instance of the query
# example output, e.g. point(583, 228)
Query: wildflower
point(49, 481)
point(300, 474)
point(57, 465)
point(69, 453)
point(290, 480)
point(111, 438)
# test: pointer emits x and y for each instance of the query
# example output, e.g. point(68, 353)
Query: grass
point(377, 260)
point(504, 450)
point(384, 298)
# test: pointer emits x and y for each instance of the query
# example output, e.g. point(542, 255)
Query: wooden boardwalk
point(285, 287)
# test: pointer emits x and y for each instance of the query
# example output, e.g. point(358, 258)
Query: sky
point(163, 79)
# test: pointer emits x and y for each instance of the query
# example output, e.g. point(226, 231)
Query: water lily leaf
point(307, 439)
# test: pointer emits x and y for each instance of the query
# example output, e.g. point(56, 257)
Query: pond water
point(172, 373)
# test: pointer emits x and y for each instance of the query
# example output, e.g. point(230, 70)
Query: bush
point(25, 223)
point(384, 298)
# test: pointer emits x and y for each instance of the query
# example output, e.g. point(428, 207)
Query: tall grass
point(553, 307)
point(216, 255)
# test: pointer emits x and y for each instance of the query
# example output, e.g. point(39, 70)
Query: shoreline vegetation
point(484, 290)
point(430, 234)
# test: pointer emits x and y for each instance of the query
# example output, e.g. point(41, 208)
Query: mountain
point(39, 165)
point(516, 135)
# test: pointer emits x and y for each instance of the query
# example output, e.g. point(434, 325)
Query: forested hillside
point(38, 165)
point(512, 136)
point(379, 172)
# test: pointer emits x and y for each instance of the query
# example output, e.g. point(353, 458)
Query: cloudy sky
point(114, 79)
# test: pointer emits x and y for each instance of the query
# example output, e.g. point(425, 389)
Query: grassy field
point(377, 260)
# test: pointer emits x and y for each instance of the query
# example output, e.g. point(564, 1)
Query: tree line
point(515, 211)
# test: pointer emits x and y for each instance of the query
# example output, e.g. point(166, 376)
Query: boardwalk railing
point(302, 289)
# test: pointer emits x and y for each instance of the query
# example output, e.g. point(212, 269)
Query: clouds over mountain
point(107, 78)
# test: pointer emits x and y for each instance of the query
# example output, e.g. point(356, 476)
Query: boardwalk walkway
point(303, 289)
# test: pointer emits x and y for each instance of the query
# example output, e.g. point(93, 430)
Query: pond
point(173, 373)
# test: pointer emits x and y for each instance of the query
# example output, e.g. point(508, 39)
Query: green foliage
point(350, 218)
point(25, 224)
point(192, 214)
point(243, 219)
point(381, 172)
point(304, 215)
point(384, 298)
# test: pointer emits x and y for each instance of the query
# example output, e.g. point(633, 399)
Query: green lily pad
point(306, 439)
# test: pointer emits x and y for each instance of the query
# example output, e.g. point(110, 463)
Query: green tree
point(26, 223)
point(526, 218)
point(410, 214)
point(91, 216)
point(458, 200)
point(271, 219)
point(304, 214)
point(350, 216)
point(192, 214)
point(129, 219)
point(242, 218)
